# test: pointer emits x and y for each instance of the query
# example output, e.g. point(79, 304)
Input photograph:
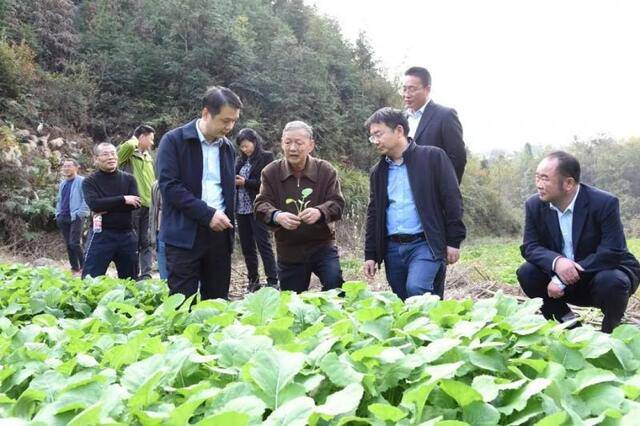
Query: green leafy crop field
point(106, 351)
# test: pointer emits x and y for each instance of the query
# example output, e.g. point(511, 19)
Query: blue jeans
point(324, 262)
point(161, 254)
point(411, 268)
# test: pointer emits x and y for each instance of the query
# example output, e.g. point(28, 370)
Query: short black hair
point(73, 160)
point(143, 129)
point(217, 96)
point(390, 117)
point(568, 165)
point(420, 72)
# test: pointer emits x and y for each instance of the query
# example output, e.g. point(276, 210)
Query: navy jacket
point(180, 180)
point(439, 126)
point(598, 237)
point(437, 196)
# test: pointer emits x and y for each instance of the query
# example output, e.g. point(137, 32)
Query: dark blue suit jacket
point(180, 181)
point(439, 126)
point(598, 237)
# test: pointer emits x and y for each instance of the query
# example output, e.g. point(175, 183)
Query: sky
point(516, 71)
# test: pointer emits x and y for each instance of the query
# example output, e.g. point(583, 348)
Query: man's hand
point(132, 200)
point(220, 221)
point(239, 181)
point(370, 268)
point(554, 291)
point(568, 270)
point(453, 255)
point(288, 220)
point(310, 215)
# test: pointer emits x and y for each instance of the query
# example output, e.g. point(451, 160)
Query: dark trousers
point(253, 232)
point(607, 290)
point(323, 262)
point(109, 245)
point(141, 227)
point(72, 232)
point(207, 265)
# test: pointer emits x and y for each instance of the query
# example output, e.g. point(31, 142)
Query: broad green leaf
point(517, 400)
point(339, 370)
point(293, 413)
point(225, 419)
point(273, 370)
point(386, 412)
point(491, 360)
point(461, 392)
point(345, 401)
point(602, 396)
point(415, 397)
point(555, 419)
point(262, 305)
point(593, 376)
point(434, 350)
point(480, 413)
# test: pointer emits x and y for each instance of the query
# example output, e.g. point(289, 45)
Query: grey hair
point(298, 125)
point(96, 148)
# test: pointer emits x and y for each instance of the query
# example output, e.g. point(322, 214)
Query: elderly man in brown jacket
point(300, 199)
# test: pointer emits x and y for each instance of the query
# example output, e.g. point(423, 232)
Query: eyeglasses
point(376, 137)
point(410, 89)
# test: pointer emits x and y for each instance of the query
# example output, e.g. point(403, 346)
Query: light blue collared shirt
point(402, 214)
point(566, 227)
point(211, 176)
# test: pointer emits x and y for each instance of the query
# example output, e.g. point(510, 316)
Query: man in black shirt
point(111, 194)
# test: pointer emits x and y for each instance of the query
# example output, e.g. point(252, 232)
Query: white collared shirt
point(414, 118)
point(211, 176)
point(566, 226)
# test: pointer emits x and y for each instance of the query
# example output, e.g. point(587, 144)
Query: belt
point(405, 238)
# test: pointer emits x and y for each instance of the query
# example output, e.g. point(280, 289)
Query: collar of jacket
point(310, 169)
point(406, 155)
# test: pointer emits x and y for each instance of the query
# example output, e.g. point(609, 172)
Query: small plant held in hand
point(300, 204)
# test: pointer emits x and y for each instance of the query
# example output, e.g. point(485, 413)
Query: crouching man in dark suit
point(574, 246)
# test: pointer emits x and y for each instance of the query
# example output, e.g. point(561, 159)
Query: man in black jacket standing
point(197, 182)
point(414, 218)
point(431, 124)
point(111, 195)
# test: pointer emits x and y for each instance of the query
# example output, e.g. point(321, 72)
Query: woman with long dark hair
point(251, 160)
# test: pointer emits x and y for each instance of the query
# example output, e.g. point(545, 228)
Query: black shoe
point(571, 317)
point(253, 287)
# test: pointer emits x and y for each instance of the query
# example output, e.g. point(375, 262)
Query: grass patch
point(499, 259)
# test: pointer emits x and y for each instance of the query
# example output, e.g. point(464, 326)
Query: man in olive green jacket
point(134, 157)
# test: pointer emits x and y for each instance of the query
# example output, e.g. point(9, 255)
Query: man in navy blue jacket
point(414, 218)
point(431, 124)
point(574, 245)
point(197, 183)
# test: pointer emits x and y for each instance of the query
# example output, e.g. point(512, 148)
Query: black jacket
point(437, 196)
point(258, 162)
point(180, 180)
point(440, 126)
point(598, 237)
point(104, 192)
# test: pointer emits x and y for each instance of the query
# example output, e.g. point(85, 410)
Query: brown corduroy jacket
point(279, 184)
